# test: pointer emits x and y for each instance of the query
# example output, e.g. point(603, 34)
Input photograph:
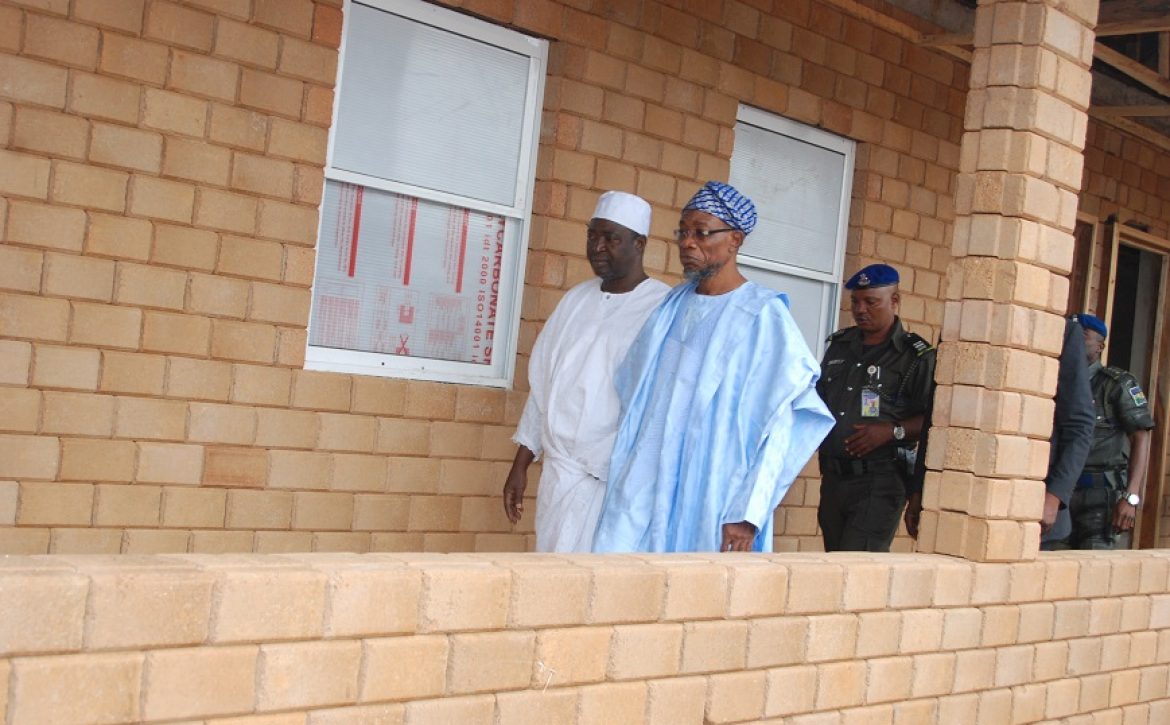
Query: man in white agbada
point(572, 411)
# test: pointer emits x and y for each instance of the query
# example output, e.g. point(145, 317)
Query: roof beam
point(1149, 111)
point(1135, 70)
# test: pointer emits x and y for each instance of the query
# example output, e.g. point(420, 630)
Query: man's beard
point(698, 275)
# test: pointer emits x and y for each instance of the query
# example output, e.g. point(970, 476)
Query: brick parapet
point(324, 638)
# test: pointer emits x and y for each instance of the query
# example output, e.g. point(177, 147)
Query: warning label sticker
point(406, 276)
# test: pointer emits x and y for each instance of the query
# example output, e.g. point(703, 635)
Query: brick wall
point(160, 172)
point(317, 639)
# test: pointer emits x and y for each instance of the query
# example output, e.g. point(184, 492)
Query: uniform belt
point(1096, 479)
point(856, 466)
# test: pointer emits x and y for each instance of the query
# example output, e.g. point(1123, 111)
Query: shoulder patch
point(920, 345)
point(1135, 392)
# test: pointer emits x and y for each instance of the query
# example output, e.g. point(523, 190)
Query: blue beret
point(1089, 322)
point(875, 275)
point(724, 202)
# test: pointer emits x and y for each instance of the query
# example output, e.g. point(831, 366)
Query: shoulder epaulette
point(1115, 373)
point(837, 335)
point(920, 345)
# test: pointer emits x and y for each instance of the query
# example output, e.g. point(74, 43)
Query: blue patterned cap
point(1090, 322)
point(724, 202)
point(875, 275)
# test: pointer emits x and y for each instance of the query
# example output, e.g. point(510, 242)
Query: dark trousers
point(1091, 511)
point(860, 512)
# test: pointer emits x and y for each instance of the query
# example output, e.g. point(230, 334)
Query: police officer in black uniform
point(877, 380)
point(1109, 489)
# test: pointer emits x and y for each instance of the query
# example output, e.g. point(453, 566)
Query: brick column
point(1016, 203)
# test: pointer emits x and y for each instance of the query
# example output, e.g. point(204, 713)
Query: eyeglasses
point(700, 235)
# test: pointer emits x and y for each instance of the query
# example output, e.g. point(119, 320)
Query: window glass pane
point(406, 276)
point(808, 301)
point(426, 107)
point(797, 190)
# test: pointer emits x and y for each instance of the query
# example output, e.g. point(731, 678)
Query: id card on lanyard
point(871, 399)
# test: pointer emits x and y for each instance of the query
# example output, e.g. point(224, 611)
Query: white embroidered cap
point(631, 211)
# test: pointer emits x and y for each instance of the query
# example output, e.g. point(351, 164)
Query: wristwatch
point(900, 433)
point(1133, 499)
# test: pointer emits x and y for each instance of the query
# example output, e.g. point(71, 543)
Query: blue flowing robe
point(718, 419)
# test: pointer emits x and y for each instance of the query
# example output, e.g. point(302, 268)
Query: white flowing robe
point(572, 412)
point(721, 413)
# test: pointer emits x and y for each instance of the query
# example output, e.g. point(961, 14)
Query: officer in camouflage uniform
point(877, 380)
point(1109, 490)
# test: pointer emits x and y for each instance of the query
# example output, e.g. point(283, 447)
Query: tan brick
point(22, 408)
point(639, 651)
point(85, 459)
point(479, 710)
point(404, 668)
point(246, 43)
point(238, 127)
point(44, 611)
point(20, 269)
point(85, 541)
point(464, 597)
point(695, 590)
point(259, 509)
point(61, 367)
point(212, 423)
point(280, 304)
point(54, 503)
point(109, 235)
point(290, 16)
point(286, 428)
point(130, 57)
point(215, 295)
point(298, 141)
point(260, 385)
point(791, 690)
point(322, 511)
point(198, 682)
point(246, 257)
point(221, 542)
point(396, 436)
point(117, 505)
point(246, 341)
point(194, 507)
point(122, 16)
point(161, 199)
point(32, 81)
point(287, 222)
point(112, 681)
point(89, 186)
point(344, 432)
point(106, 98)
point(177, 25)
point(176, 333)
point(147, 607)
point(126, 148)
point(735, 696)
point(24, 542)
point(15, 361)
point(197, 160)
point(487, 661)
point(45, 226)
point(321, 391)
point(133, 373)
point(201, 75)
point(198, 379)
point(434, 513)
point(840, 684)
point(318, 105)
point(676, 700)
point(283, 542)
point(61, 41)
point(146, 419)
point(78, 414)
point(154, 541)
point(185, 247)
point(272, 93)
point(49, 132)
point(226, 211)
point(308, 184)
point(70, 275)
point(174, 112)
point(307, 674)
point(267, 604)
point(169, 463)
point(815, 588)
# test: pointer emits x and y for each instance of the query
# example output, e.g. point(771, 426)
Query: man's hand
point(1124, 516)
point(738, 537)
point(868, 438)
point(913, 514)
point(514, 494)
point(1051, 509)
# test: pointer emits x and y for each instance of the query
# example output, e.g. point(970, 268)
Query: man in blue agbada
point(720, 412)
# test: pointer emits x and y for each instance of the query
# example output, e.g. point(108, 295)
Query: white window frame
point(831, 295)
point(500, 371)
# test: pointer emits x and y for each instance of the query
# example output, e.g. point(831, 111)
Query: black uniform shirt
point(1120, 408)
point(900, 370)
